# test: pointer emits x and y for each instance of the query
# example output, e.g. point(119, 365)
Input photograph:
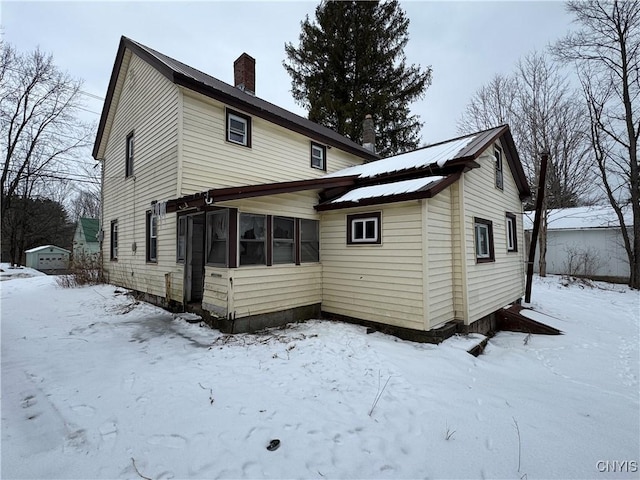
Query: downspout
point(544, 157)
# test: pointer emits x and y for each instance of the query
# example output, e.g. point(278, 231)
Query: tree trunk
point(542, 239)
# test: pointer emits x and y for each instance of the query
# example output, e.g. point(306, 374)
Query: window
point(252, 239)
point(309, 240)
point(283, 240)
point(181, 244)
point(318, 156)
point(512, 235)
point(128, 169)
point(152, 237)
point(218, 237)
point(484, 240)
point(499, 175)
point(363, 228)
point(238, 128)
point(114, 240)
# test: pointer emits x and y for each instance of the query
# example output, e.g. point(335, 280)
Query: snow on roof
point(44, 247)
point(579, 218)
point(436, 154)
point(387, 189)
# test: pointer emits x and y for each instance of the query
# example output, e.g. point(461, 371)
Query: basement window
point(364, 228)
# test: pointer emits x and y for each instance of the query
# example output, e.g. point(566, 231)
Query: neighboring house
point(48, 258)
point(216, 199)
point(85, 239)
point(584, 241)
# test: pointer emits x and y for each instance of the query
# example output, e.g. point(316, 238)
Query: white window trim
point(364, 219)
point(322, 158)
point(512, 232)
point(231, 130)
point(497, 152)
point(482, 230)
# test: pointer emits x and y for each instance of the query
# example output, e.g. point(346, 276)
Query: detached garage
point(48, 258)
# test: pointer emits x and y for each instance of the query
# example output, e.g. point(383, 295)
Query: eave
point(428, 192)
point(217, 195)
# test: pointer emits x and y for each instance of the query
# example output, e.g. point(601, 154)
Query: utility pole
point(544, 158)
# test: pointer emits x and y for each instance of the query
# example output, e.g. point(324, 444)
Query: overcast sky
point(466, 43)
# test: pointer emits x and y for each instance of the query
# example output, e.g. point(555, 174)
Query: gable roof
point(47, 247)
point(188, 77)
point(443, 156)
point(395, 179)
point(90, 228)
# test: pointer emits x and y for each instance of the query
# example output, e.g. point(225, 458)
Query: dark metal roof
point(193, 79)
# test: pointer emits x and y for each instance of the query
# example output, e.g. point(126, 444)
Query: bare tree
point(40, 130)
point(544, 113)
point(38, 122)
point(606, 54)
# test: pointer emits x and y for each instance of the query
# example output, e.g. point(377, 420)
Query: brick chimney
point(369, 134)
point(244, 73)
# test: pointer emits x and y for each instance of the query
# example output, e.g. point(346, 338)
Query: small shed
point(48, 258)
point(585, 242)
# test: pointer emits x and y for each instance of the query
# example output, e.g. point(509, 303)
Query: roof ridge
point(454, 139)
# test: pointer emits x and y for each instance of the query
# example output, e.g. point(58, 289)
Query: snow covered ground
point(95, 385)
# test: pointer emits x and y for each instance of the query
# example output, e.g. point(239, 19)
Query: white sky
point(466, 43)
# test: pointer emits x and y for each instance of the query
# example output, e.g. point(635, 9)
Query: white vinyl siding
point(382, 283)
point(148, 104)
point(276, 154)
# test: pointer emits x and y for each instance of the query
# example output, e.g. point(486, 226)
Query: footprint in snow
point(169, 441)
point(84, 410)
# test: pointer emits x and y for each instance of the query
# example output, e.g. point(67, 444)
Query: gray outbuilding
point(48, 258)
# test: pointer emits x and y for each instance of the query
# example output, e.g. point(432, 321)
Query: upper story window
point(113, 252)
point(238, 128)
point(364, 228)
point(128, 168)
point(318, 156)
point(512, 236)
point(499, 173)
point(152, 237)
point(483, 230)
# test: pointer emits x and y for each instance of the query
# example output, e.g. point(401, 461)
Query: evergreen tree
point(350, 63)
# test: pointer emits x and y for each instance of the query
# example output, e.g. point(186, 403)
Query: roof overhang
point(427, 192)
point(216, 195)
